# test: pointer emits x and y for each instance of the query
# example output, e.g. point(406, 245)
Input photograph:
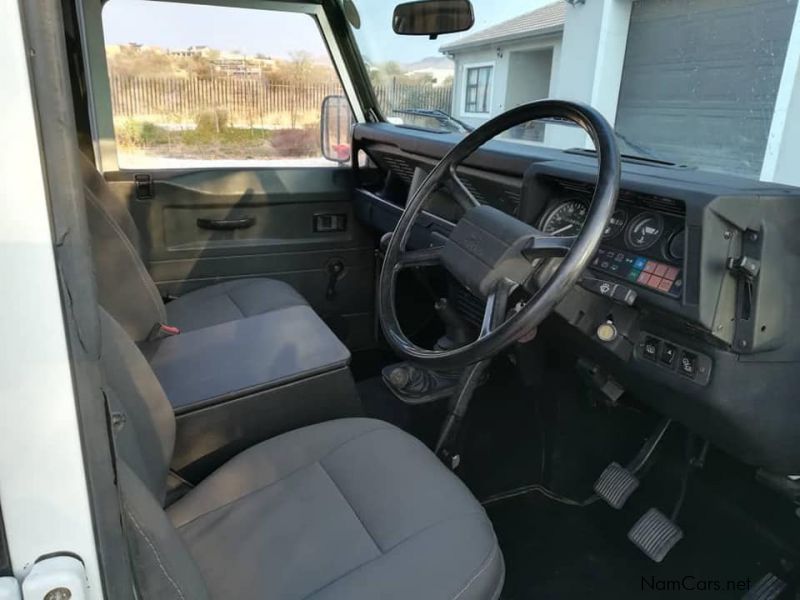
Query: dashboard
point(710, 266)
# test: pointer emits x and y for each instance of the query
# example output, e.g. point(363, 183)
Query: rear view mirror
point(335, 129)
point(433, 17)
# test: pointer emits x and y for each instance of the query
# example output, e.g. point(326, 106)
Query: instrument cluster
point(641, 243)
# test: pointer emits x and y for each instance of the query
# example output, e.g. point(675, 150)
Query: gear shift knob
point(455, 327)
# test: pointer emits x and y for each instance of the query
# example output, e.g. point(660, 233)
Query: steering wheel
point(492, 253)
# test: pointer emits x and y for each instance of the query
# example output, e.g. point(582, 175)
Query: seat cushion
point(230, 301)
point(353, 508)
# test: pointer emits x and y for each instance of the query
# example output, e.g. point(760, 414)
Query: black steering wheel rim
point(500, 335)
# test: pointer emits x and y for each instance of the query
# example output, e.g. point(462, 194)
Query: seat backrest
point(143, 425)
point(124, 285)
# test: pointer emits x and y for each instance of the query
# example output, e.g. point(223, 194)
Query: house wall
point(528, 76)
point(502, 58)
point(587, 66)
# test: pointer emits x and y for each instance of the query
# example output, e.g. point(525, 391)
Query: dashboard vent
point(502, 197)
point(467, 305)
point(575, 186)
point(470, 185)
point(658, 203)
point(400, 167)
point(640, 199)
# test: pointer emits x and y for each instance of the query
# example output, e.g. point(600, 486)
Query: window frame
point(99, 86)
point(466, 86)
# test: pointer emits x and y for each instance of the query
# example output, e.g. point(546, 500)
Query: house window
point(478, 89)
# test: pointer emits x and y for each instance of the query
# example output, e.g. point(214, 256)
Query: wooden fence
point(251, 102)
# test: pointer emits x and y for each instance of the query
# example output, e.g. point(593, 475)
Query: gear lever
point(418, 385)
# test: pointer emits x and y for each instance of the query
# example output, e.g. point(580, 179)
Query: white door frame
point(43, 489)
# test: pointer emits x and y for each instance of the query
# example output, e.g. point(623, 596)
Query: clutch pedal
point(655, 534)
point(615, 485)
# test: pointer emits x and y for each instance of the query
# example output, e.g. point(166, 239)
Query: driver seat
point(352, 508)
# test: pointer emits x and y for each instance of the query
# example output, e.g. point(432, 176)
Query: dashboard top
point(513, 158)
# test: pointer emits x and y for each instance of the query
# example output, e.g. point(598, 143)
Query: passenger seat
point(127, 291)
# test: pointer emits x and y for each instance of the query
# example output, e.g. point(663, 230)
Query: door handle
point(226, 224)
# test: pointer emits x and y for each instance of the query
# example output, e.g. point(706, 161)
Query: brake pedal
point(655, 534)
point(768, 587)
point(615, 485)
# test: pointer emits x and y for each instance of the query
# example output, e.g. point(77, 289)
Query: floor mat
point(558, 551)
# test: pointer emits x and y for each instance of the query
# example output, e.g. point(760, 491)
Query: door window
point(209, 86)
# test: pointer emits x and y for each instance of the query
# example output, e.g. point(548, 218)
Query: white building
point(668, 73)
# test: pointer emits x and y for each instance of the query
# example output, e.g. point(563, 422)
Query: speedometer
point(565, 219)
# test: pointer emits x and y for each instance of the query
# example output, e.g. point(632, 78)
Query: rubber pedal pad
point(769, 587)
point(655, 534)
point(615, 485)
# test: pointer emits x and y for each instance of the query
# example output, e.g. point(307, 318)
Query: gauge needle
point(562, 230)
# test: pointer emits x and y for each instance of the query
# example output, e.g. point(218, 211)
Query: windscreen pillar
point(782, 154)
point(590, 62)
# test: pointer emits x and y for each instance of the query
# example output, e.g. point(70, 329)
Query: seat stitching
point(485, 565)
point(155, 553)
point(397, 545)
point(289, 474)
point(352, 509)
point(230, 297)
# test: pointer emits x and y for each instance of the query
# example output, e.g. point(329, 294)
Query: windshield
point(700, 84)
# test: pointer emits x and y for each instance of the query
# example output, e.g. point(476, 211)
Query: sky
point(252, 31)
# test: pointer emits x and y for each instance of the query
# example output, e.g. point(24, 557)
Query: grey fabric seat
point(127, 291)
point(231, 301)
point(352, 509)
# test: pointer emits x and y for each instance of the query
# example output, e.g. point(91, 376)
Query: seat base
point(353, 508)
point(231, 301)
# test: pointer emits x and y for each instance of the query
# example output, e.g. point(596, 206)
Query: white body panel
point(43, 489)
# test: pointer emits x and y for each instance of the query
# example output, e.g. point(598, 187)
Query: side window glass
point(207, 86)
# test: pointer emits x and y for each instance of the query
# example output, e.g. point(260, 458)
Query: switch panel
point(682, 362)
point(656, 276)
point(328, 223)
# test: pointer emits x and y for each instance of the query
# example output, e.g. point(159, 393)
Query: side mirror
point(336, 129)
point(433, 17)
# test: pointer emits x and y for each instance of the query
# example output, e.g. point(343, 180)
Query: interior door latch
point(335, 270)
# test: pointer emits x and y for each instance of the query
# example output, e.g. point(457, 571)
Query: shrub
point(211, 121)
point(295, 142)
point(140, 133)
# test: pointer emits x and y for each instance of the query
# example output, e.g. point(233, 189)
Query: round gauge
point(644, 231)
point(616, 224)
point(565, 219)
point(676, 244)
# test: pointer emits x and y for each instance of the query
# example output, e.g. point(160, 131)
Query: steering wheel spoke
point(496, 307)
point(427, 257)
point(468, 200)
point(544, 245)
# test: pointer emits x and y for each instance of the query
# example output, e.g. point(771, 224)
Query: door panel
point(282, 238)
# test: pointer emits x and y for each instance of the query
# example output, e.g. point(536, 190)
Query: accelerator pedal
point(769, 587)
point(615, 485)
point(655, 534)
